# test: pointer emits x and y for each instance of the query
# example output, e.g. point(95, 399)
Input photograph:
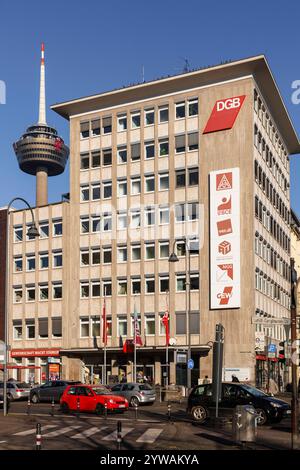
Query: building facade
point(202, 156)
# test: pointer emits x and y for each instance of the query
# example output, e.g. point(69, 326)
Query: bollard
point(136, 407)
point(52, 407)
point(119, 435)
point(169, 412)
point(78, 408)
point(28, 406)
point(38, 436)
point(105, 410)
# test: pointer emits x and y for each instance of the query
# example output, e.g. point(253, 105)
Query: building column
point(41, 187)
point(157, 371)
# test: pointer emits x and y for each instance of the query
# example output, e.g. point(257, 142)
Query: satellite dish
point(172, 341)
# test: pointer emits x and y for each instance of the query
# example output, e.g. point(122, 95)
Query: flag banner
point(137, 340)
point(128, 346)
point(165, 321)
point(104, 324)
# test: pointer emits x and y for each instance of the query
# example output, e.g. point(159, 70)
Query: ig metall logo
point(2, 92)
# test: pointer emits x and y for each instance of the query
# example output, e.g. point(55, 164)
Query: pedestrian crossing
point(101, 433)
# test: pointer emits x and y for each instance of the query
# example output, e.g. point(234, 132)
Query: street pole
point(295, 358)
point(188, 310)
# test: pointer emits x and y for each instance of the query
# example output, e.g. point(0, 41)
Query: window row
point(104, 125)
point(104, 157)
point(45, 329)
point(43, 228)
point(267, 286)
point(269, 255)
point(271, 193)
point(41, 292)
point(271, 225)
point(43, 261)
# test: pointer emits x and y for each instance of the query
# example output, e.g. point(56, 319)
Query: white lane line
point(88, 432)
point(61, 431)
point(113, 435)
point(2, 442)
point(33, 430)
point(150, 435)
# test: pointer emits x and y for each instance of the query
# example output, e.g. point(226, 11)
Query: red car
point(91, 398)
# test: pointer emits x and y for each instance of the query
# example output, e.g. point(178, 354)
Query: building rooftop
point(256, 66)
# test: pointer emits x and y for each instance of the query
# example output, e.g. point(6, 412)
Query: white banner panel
point(225, 239)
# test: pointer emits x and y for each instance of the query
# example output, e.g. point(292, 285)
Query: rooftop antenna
point(143, 74)
point(42, 103)
point(186, 67)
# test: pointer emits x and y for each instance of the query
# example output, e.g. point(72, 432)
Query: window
point(150, 251)
point(44, 230)
point(164, 249)
point(122, 254)
point(180, 323)
point(180, 178)
point(85, 225)
point(150, 324)
point(122, 326)
point(30, 328)
point(193, 141)
point(30, 294)
point(135, 186)
point(193, 107)
point(18, 265)
point(122, 122)
point(84, 327)
point(84, 258)
point(96, 224)
point(194, 280)
point(57, 260)
point(107, 157)
point(122, 287)
point(85, 193)
point(84, 129)
point(95, 288)
point(84, 290)
point(96, 192)
point(180, 143)
point(136, 286)
point(193, 211)
point(30, 263)
point(193, 176)
point(106, 255)
point(95, 326)
point(150, 285)
point(96, 159)
point(57, 291)
point(149, 150)
point(180, 283)
point(149, 117)
point(84, 161)
point(107, 190)
point(17, 329)
point(164, 147)
point(163, 113)
point(180, 248)
point(107, 288)
point(164, 215)
point(122, 221)
point(43, 327)
point(18, 295)
point(95, 256)
point(180, 110)
point(179, 212)
point(149, 216)
point(135, 252)
point(163, 181)
point(107, 222)
point(44, 292)
point(135, 219)
point(122, 188)
point(106, 125)
point(95, 124)
point(18, 234)
point(149, 183)
point(56, 327)
point(164, 284)
point(135, 120)
point(122, 154)
point(135, 152)
point(57, 229)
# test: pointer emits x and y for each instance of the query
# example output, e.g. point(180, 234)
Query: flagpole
point(134, 342)
point(105, 340)
point(167, 346)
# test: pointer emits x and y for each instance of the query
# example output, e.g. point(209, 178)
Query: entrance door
point(181, 374)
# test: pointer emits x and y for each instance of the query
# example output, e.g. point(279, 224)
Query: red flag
point(128, 346)
point(104, 324)
point(165, 321)
point(137, 340)
point(58, 143)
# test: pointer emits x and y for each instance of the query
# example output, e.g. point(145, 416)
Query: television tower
point(41, 151)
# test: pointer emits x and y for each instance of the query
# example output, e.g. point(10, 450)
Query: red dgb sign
point(224, 114)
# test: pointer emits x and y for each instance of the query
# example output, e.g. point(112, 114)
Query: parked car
point(16, 390)
point(135, 393)
point(51, 390)
point(269, 409)
point(91, 398)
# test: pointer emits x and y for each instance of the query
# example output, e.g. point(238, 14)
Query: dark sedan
point(268, 408)
point(51, 390)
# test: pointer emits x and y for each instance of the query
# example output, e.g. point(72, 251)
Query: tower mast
point(42, 103)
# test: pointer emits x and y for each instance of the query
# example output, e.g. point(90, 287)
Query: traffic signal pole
point(294, 357)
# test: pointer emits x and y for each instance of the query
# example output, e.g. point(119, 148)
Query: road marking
point(61, 431)
point(150, 435)
point(33, 430)
point(113, 435)
point(2, 442)
point(88, 432)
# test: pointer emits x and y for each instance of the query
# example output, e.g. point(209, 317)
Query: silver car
point(136, 393)
point(16, 390)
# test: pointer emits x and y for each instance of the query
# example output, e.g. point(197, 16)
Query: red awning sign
point(39, 352)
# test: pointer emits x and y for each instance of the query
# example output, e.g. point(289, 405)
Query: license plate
point(121, 406)
point(288, 412)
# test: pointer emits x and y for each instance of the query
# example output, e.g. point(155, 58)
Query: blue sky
point(93, 46)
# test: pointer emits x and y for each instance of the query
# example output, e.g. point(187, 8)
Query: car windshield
point(145, 387)
point(101, 391)
point(254, 391)
point(22, 385)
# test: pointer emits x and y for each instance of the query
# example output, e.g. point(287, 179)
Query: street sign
point(272, 348)
point(190, 364)
point(270, 321)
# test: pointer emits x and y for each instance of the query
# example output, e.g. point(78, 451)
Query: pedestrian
point(273, 387)
point(234, 378)
point(205, 380)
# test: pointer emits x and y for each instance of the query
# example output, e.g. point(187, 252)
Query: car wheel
point(65, 408)
point(99, 409)
point(261, 416)
point(134, 401)
point(199, 413)
point(35, 398)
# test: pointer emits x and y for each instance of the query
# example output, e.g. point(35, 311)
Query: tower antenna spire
point(42, 104)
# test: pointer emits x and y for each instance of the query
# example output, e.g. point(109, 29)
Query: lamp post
point(32, 232)
point(173, 258)
point(295, 357)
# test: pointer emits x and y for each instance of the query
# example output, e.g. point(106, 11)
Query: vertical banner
point(225, 239)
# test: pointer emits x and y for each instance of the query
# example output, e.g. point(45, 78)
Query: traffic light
point(281, 352)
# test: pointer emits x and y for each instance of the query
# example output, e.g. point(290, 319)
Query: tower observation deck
point(41, 151)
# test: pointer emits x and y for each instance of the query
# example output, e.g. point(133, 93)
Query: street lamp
point(173, 258)
point(32, 232)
